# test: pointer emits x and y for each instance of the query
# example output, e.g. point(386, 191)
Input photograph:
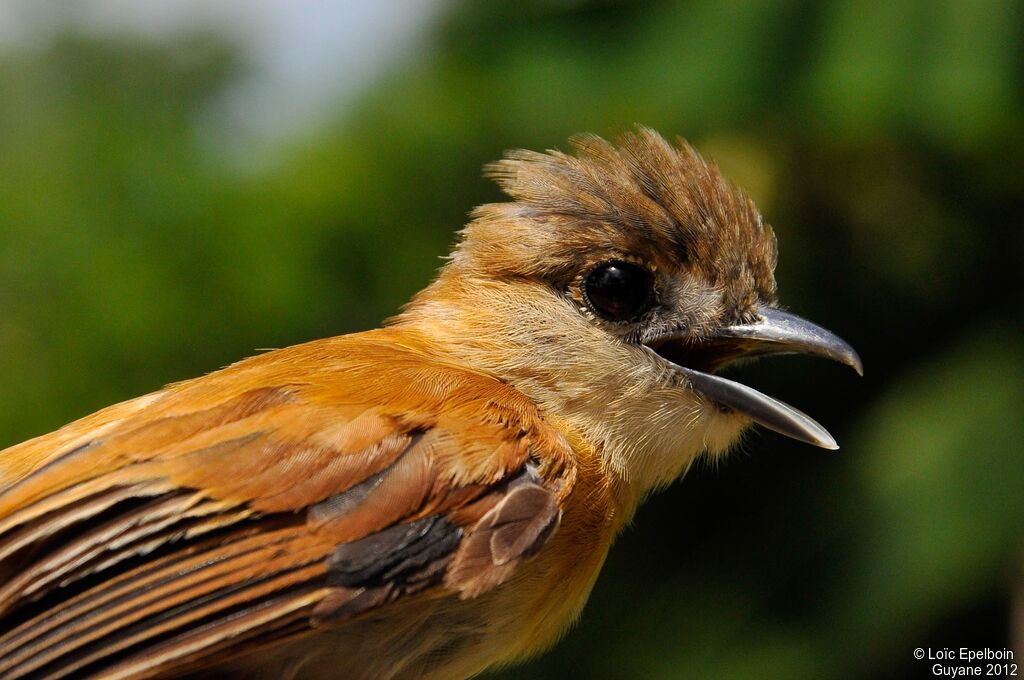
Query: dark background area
point(883, 140)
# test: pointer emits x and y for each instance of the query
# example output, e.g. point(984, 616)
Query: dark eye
point(618, 291)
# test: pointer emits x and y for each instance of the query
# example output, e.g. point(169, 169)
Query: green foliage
point(881, 140)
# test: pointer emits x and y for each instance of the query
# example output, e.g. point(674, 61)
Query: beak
point(776, 332)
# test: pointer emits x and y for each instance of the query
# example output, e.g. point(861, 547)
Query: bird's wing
point(297, 489)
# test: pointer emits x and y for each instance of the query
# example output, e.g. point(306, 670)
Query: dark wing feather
point(163, 538)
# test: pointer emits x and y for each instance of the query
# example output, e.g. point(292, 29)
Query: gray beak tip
point(815, 434)
point(854, 362)
point(830, 445)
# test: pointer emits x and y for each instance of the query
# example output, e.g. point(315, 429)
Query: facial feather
point(511, 301)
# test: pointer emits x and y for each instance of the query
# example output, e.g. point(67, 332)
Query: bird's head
point(612, 288)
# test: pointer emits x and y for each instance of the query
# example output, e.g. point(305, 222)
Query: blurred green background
point(139, 244)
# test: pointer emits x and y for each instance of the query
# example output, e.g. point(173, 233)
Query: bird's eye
point(618, 291)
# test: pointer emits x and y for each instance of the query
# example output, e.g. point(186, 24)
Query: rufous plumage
point(428, 499)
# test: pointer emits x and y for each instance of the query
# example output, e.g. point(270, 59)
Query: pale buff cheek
point(723, 431)
point(654, 443)
point(616, 396)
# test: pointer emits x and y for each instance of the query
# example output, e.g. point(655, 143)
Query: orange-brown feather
point(372, 500)
point(127, 534)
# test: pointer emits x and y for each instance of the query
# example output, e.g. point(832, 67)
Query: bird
point(428, 499)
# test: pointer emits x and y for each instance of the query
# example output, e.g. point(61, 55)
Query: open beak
point(776, 332)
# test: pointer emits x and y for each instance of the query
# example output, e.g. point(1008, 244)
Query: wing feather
point(263, 502)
